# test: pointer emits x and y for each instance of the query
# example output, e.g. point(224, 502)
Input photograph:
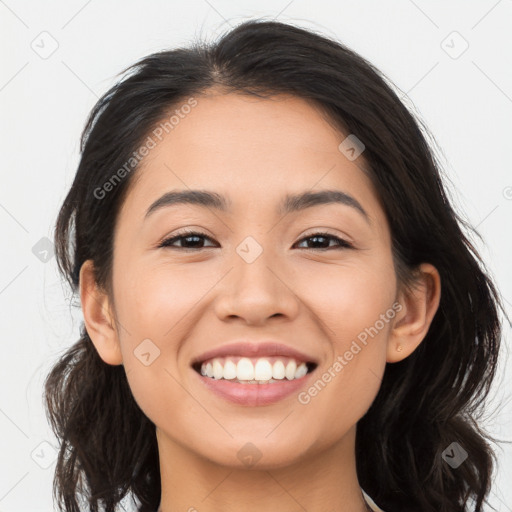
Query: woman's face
point(257, 275)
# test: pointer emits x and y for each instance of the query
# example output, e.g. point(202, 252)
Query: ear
point(419, 306)
point(98, 316)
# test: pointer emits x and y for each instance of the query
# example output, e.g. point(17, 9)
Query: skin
point(254, 151)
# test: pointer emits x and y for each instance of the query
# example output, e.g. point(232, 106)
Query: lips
point(253, 393)
point(246, 348)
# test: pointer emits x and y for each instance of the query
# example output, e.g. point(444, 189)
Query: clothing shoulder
point(371, 503)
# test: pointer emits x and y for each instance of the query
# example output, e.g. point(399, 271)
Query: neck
point(319, 482)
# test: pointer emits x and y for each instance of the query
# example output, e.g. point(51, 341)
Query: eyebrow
point(291, 202)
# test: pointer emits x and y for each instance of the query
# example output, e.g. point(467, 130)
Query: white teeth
point(301, 370)
point(246, 372)
point(290, 370)
point(245, 369)
point(278, 371)
point(218, 371)
point(263, 370)
point(230, 370)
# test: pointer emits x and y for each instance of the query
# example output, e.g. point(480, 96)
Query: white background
point(465, 101)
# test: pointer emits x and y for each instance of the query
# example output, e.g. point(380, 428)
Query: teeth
point(246, 372)
point(255, 381)
point(301, 371)
point(218, 371)
point(290, 370)
point(263, 370)
point(245, 369)
point(230, 371)
point(278, 370)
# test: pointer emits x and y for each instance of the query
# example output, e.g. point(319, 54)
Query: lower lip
point(254, 394)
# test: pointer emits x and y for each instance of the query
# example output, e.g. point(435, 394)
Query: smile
point(273, 378)
point(262, 370)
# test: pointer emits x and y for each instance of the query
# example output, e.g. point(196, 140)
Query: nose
point(257, 291)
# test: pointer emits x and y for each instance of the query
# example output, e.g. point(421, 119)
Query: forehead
point(252, 148)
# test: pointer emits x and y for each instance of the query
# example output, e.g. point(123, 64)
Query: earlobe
point(419, 306)
point(98, 316)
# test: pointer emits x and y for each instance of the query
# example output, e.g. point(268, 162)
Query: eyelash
point(342, 244)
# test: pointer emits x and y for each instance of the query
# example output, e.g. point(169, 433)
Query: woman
point(281, 310)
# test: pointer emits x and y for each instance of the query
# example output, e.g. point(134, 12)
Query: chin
point(255, 453)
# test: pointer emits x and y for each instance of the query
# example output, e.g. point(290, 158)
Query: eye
point(194, 239)
point(320, 238)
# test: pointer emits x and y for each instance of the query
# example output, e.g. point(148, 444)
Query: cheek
point(350, 302)
point(153, 308)
point(349, 298)
point(156, 302)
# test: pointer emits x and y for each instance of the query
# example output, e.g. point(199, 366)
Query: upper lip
point(251, 349)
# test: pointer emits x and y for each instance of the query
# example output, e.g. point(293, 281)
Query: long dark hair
point(425, 402)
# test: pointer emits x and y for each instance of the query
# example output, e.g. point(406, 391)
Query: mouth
point(254, 382)
point(250, 370)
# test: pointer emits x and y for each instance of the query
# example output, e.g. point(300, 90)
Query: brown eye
point(193, 239)
point(321, 238)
